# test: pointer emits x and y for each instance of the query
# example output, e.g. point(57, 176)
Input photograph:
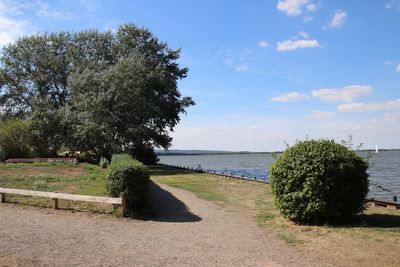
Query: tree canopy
point(91, 90)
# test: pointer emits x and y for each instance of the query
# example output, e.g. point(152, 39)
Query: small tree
point(14, 139)
point(319, 181)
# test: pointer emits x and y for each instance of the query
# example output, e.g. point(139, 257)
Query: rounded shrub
point(129, 178)
point(319, 181)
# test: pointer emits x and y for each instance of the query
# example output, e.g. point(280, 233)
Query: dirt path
point(186, 231)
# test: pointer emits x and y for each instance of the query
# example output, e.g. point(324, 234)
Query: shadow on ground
point(165, 207)
point(378, 220)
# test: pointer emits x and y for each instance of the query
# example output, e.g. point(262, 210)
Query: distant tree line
point(90, 91)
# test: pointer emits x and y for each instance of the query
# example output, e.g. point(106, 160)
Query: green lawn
point(85, 179)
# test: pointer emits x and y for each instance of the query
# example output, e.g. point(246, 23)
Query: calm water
point(384, 172)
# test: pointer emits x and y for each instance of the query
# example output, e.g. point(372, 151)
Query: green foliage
point(14, 139)
point(129, 178)
point(89, 157)
point(90, 90)
point(136, 97)
point(319, 181)
point(144, 154)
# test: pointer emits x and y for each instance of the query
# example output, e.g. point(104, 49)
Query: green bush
point(144, 153)
point(15, 139)
point(319, 181)
point(129, 178)
point(89, 157)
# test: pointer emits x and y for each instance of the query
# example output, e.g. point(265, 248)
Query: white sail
point(376, 149)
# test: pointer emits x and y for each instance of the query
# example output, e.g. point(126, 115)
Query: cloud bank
point(344, 94)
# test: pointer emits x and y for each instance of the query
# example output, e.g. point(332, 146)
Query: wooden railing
point(56, 196)
point(383, 203)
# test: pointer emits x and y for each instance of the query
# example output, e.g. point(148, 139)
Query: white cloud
point(344, 94)
point(312, 7)
point(43, 10)
point(388, 62)
point(393, 4)
point(338, 19)
point(398, 68)
point(289, 45)
point(292, 7)
point(11, 28)
point(391, 117)
point(90, 6)
point(317, 115)
point(373, 106)
point(241, 68)
point(290, 97)
point(269, 133)
point(304, 35)
point(263, 44)
point(307, 18)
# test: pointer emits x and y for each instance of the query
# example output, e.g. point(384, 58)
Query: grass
point(372, 239)
point(85, 179)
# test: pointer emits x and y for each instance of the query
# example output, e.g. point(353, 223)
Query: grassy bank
point(85, 179)
point(373, 239)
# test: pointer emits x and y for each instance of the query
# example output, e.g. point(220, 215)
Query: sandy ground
point(185, 231)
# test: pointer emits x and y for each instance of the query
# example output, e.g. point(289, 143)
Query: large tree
point(93, 90)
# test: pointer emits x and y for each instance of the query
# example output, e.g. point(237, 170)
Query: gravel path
point(186, 231)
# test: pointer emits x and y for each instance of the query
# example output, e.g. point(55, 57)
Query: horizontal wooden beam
point(32, 160)
point(105, 200)
point(383, 203)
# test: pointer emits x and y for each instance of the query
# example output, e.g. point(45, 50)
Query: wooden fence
point(383, 203)
point(56, 196)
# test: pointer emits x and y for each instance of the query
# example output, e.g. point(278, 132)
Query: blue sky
point(261, 72)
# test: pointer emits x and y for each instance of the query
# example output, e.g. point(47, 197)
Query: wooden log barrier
point(384, 203)
point(121, 202)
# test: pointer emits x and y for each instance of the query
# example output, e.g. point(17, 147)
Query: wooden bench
point(56, 196)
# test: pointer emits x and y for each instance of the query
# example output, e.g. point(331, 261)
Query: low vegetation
point(129, 178)
point(82, 178)
point(319, 181)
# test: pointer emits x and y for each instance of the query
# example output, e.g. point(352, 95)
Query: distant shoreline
point(212, 152)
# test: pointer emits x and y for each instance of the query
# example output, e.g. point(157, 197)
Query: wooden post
point(2, 197)
point(55, 203)
point(123, 206)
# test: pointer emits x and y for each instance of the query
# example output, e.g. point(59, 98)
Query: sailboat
point(376, 149)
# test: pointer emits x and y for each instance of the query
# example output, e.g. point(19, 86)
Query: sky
point(263, 74)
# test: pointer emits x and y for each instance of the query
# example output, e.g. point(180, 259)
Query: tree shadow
point(165, 207)
point(377, 221)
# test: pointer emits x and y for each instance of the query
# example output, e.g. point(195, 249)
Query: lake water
point(384, 172)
